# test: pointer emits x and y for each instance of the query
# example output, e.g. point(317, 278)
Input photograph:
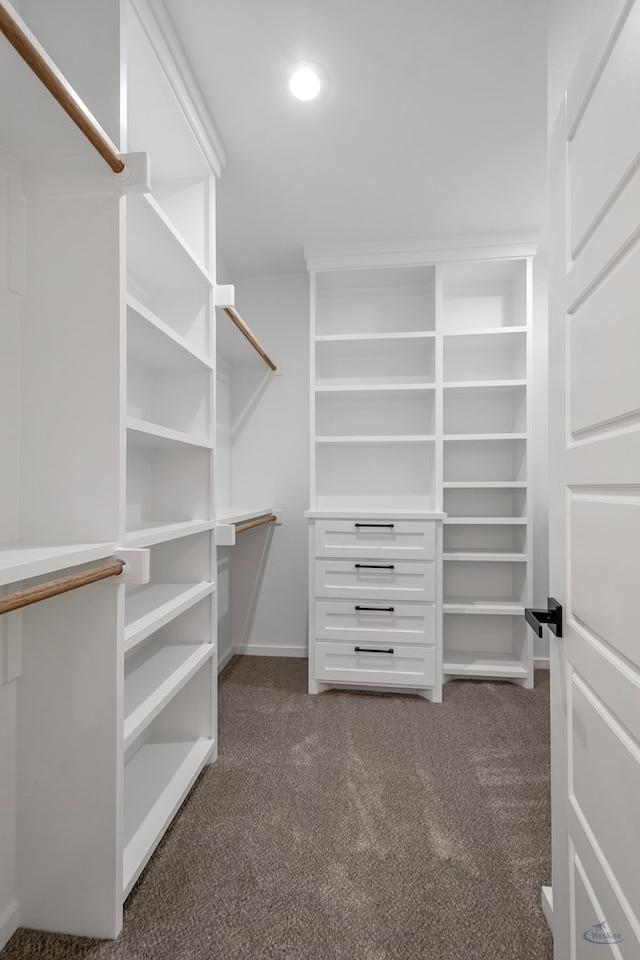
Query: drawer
point(395, 539)
point(396, 623)
point(400, 665)
point(375, 580)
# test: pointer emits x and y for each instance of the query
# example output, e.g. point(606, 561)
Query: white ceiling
point(434, 123)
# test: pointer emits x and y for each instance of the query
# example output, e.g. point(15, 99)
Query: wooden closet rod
point(52, 588)
point(34, 59)
point(244, 330)
point(258, 522)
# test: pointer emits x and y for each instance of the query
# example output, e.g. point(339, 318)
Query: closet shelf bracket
point(226, 532)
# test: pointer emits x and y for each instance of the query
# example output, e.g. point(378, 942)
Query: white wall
point(267, 568)
point(9, 421)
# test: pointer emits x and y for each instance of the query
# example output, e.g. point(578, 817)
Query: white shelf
point(157, 254)
point(486, 607)
point(241, 514)
point(375, 387)
point(485, 485)
point(479, 556)
point(152, 434)
point(155, 605)
point(510, 521)
point(156, 680)
point(146, 534)
point(426, 438)
point(472, 665)
point(157, 779)
point(367, 513)
point(482, 384)
point(155, 343)
point(23, 559)
point(343, 337)
point(485, 332)
point(483, 436)
point(391, 382)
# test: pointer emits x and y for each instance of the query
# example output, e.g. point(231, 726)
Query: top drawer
point(395, 539)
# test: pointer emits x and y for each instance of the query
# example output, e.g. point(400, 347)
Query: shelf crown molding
point(420, 251)
point(164, 40)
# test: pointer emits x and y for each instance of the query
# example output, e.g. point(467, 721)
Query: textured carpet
point(349, 825)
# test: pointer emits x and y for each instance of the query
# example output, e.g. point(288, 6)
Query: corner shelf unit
point(420, 401)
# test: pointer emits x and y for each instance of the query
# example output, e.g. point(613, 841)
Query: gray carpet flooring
point(349, 825)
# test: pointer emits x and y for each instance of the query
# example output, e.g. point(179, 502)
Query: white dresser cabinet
point(375, 616)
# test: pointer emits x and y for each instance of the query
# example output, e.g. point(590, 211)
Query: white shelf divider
point(157, 604)
point(343, 337)
point(397, 438)
point(465, 437)
point(157, 780)
point(150, 687)
point(150, 533)
point(23, 559)
point(152, 434)
point(480, 384)
point(470, 665)
point(486, 607)
point(374, 387)
point(170, 348)
point(484, 332)
point(479, 556)
point(485, 485)
point(157, 253)
point(479, 521)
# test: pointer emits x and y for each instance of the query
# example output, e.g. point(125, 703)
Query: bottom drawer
point(399, 665)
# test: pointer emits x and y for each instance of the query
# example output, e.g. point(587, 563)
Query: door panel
point(605, 574)
point(595, 303)
point(605, 383)
point(597, 171)
point(601, 753)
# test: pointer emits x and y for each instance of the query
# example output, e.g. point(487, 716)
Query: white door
point(595, 504)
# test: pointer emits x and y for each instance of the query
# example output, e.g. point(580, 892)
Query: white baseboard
point(258, 650)
point(9, 923)
point(547, 906)
point(225, 660)
point(541, 663)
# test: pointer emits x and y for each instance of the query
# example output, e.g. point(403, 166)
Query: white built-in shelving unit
point(420, 379)
point(374, 409)
point(117, 707)
point(375, 530)
point(485, 329)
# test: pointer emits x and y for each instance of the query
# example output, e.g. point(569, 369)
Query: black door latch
point(551, 617)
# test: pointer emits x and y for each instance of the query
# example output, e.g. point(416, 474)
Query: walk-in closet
point(319, 479)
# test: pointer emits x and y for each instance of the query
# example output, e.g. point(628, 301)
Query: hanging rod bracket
point(226, 533)
point(137, 563)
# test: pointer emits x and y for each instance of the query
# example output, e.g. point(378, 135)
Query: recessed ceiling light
point(307, 80)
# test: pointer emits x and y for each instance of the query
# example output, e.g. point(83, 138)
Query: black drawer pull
point(375, 566)
point(378, 609)
point(390, 526)
point(372, 650)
